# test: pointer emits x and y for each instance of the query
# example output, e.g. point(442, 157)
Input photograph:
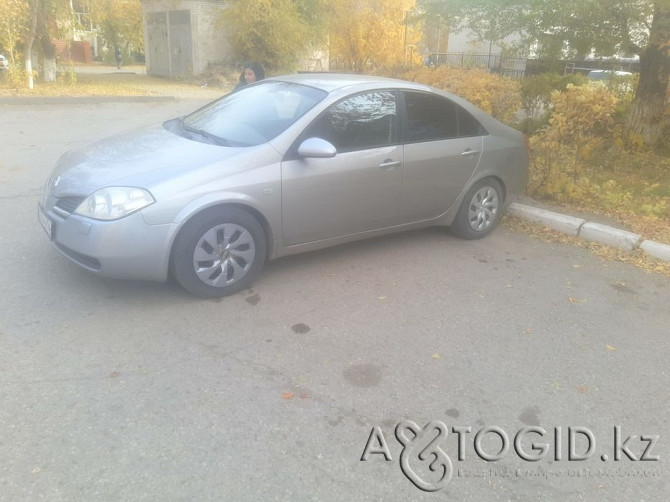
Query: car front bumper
point(127, 248)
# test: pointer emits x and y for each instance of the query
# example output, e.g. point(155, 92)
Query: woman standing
point(251, 73)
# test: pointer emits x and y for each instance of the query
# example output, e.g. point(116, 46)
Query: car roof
point(331, 81)
point(335, 82)
point(608, 72)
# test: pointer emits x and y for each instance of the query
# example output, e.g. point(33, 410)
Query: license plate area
point(46, 222)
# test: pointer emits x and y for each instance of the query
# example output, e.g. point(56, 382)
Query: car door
point(443, 144)
point(358, 189)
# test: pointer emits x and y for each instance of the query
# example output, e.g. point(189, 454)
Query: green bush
point(536, 91)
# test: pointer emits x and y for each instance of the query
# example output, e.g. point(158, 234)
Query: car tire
point(480, 210)
point(219, 252)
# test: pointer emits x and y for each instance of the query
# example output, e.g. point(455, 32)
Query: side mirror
point(316, 148)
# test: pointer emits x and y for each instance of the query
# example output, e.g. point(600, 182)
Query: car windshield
point(252, 115)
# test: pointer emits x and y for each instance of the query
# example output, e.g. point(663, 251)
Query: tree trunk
point(30, 40)
point(49, 69)
point(49, 51)
point(647, 119)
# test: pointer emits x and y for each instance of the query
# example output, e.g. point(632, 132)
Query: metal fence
point(509, 67)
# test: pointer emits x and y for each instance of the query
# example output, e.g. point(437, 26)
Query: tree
point(648, 117)
point(276, 33)
point(14, 18)
point(119, 21)
point(365, 34)
point(25, 22)
point(578, 28)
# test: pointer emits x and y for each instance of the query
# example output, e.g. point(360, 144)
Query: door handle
point(389, 164)
point(470, 153)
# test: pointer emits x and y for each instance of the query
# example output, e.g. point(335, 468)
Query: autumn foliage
point(496, 95)
point(371, 34)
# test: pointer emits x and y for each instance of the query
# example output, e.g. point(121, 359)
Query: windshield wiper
point(209, 137)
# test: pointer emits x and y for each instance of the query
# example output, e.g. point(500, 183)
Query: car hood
point(142, 158)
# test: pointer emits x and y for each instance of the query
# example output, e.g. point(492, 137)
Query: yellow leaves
point(275, 33)
point(288, 395)
point(367, 34)
point(637, 258)
point(610, 347)
point(575, 300)
point(494, 94)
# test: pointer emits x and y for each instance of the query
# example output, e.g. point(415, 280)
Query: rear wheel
point(219, 252)
point(480, 210)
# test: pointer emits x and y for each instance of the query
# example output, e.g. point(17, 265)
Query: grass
point(631, 188)
point(126, 82)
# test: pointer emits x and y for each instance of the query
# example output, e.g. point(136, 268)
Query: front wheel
point(480, 210)
point(219, 252)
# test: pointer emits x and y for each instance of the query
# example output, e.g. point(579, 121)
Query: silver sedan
point(286, 165)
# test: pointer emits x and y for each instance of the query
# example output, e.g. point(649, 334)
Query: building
point(182, 37)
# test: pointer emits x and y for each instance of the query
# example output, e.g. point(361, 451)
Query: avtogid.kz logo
point(426, 464)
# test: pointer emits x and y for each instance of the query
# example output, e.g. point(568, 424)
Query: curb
point(81, 100)
point(593, 232)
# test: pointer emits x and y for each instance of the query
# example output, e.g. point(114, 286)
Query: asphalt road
point(113, 390)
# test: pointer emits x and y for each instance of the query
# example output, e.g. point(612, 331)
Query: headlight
point(114, 202)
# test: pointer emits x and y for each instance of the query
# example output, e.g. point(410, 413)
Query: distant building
point(181, 37)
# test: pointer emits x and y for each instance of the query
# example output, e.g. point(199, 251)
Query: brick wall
point(78, 52)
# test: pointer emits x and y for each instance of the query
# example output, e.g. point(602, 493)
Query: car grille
point(69, 204)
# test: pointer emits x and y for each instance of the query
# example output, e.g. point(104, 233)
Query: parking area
point(336, 376)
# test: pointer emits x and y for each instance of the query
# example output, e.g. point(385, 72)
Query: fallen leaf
point(37, 470)
point(381, 298)
point(287, 395)
point(576, 266)
point(609, 347)
point(509, 285)
point(529, 331)
point(582, 389)
point(435, 356)
point(575, 300)
point(555, 385)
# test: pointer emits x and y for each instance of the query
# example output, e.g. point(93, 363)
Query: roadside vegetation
point(129, 82)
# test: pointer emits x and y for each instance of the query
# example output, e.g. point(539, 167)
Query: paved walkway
point(101, 69)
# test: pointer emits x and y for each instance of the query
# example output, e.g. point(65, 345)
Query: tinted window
point(431, 118)
point(361, 122)
point(468, 125)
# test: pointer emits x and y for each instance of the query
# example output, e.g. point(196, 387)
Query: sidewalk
point(99, 68)
point(593, 231)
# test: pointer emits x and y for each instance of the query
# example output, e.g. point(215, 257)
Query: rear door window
point(434, 118)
